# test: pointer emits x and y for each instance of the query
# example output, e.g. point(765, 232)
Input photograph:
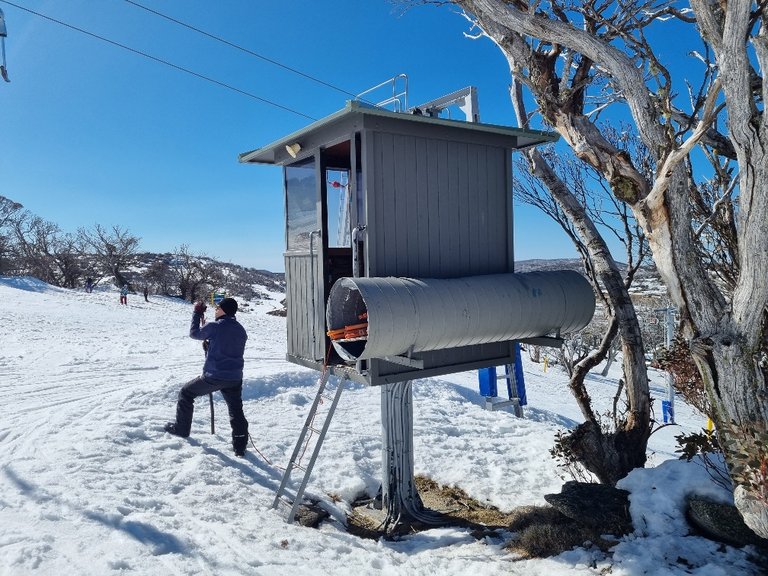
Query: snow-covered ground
point(90, 483)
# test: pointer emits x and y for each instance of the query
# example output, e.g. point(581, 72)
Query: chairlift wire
point(160, 60)
point(241, 48)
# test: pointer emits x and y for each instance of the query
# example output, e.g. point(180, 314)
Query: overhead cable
point(161, 61)
point(246, 50)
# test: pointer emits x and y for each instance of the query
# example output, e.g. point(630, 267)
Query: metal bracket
point(417, 363)
point(548, 341)
point(465, 99)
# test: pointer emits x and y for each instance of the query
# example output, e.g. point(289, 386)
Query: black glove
point(200, 307)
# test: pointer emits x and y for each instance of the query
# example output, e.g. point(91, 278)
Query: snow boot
point(239, 442)
point(171, 429)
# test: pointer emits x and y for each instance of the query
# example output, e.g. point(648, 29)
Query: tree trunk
point(609, 359)
point(609, 456)
point(724, 325)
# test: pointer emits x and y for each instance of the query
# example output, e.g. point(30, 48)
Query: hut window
point(301, 204)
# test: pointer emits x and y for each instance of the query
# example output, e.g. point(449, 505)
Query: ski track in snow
point(91, 484)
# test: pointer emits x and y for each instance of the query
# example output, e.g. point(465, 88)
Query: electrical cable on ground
point(267, 460)
point(161, 61)
point(309, 437)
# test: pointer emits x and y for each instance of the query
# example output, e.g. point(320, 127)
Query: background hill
point(242, 281)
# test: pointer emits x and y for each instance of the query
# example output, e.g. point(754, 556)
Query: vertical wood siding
point(299, 319)
point(439, 209)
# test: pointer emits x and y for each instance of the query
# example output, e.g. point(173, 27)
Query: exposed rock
point(310, 515)
point(596, 505)
point(721, 522)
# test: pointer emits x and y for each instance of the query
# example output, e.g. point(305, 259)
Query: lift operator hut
point(399, 247)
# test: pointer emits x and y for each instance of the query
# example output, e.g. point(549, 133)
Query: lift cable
point(241, 48)
point(160, 60)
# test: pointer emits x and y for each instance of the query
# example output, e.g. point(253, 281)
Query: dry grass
point(539, 531)
point(542, 531)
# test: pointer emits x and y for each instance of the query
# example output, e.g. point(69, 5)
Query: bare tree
point(113, 250)
point(195, 274)
point(160, 276)
point(44, 252)
point(9, 212)
point(578, 58)
point(570, 193)
point(32, 240)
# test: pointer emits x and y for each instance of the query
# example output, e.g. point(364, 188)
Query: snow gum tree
point(114, 250)
point(705, 207)
point(560, 188)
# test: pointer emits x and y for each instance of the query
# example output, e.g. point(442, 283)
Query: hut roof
point(356, 114)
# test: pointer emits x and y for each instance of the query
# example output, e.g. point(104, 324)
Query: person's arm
point(195, 330)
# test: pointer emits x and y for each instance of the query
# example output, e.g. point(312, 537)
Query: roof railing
point(399, 98)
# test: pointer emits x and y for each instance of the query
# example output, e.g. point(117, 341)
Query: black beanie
point(229, 305)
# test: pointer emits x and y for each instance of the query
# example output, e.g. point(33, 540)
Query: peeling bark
point(724, 324)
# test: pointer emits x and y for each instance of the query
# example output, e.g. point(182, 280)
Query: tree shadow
point(160, 542)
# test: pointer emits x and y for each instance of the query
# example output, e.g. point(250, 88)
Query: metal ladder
point(512, 394)
point(309, 426)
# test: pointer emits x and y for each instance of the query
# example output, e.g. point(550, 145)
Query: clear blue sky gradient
point(92, 133)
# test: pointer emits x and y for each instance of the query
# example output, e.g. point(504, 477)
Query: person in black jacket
point(223, 370)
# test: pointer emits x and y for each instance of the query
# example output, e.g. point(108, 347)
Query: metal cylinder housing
point(407, 315)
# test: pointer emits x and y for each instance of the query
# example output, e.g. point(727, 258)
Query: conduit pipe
point(408, 315)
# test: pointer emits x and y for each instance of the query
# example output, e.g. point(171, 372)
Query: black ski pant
point(232, 390)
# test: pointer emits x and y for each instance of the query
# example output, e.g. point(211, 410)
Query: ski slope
point(91, 485)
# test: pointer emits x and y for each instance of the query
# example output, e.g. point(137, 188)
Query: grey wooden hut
point(405, 222)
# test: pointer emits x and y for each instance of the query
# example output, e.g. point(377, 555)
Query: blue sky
point(92, 133)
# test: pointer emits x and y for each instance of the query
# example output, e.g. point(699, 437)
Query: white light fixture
point(293, 149)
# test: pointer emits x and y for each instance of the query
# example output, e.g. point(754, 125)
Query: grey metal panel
point(407, 315)
point(306, 331)
point(439, 209)
point(397, 168)
point(415, 243)
point(439, 213)
point(386, 374)
point(499, 225)
point(295, 320)
point(369, 186)
point(451, 267)
point(420, 222)
point(485, 354)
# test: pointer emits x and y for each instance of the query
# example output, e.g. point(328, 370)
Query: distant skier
point(124, 294)
point(89, 284)
point(146, 293)
point(223, 370)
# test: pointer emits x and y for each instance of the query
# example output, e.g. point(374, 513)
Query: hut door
point(336, 194)
point(304, 261)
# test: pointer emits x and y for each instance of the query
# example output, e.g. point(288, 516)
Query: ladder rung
point(307, 469)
